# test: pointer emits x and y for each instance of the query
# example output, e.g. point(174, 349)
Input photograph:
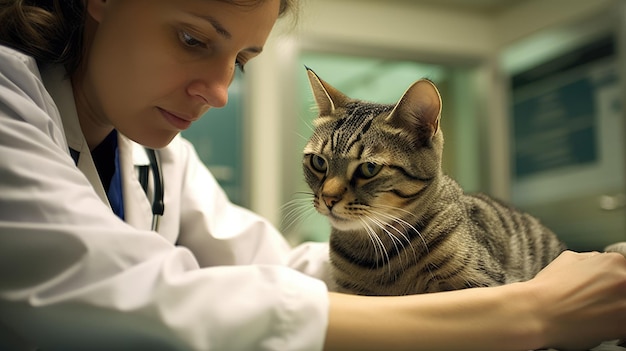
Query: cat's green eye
point(368, 170)
point(318, 163)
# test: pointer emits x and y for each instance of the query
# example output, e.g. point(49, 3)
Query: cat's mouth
point(344, 224)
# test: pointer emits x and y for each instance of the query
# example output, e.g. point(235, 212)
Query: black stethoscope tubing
point(158, 207)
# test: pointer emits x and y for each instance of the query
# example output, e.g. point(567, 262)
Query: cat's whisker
point(405, 225)
point(397, 243)
point(396, 209)
point(379, 247)
point(307, 123)
point(400, 235)
point(377, 242)
point(394, 240)
point(303, 193)
point(302, 136)
point(296, 210)
point(382, 225)
point(300, 196)
point(386, 208)
point(296, 201)
point(296, 219)
point(295, 204)
point(397, 219)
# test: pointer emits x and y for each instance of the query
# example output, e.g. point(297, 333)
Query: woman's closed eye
point(191, 41)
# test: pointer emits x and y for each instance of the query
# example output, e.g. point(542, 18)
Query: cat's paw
point(617, 247)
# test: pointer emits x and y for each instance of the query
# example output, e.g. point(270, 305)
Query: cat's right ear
point(419, 110)
point(326, 97)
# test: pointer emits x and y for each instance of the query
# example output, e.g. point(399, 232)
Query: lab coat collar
point(59, 86)
point(138, 211)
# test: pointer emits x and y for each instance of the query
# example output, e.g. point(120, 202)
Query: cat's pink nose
point(330, 200)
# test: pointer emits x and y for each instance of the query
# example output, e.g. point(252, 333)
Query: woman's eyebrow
point(219, 28)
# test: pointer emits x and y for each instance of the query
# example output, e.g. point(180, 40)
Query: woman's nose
point(210, 84)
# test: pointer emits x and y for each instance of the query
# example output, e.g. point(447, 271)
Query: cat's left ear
point(419, 109)
point(326, 97)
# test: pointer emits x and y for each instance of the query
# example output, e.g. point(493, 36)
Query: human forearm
point(476, 319)
point(576, 302)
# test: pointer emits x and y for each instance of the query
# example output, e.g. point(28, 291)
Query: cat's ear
point(419, 109)
point(326, 97)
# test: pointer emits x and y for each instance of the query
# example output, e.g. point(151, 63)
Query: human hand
point(581, 299)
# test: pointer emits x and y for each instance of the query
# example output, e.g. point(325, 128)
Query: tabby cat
point(399, 225)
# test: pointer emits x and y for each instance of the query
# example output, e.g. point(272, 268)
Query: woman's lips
point(176, 121)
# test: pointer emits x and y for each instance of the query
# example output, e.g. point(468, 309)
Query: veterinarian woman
point(105, 245)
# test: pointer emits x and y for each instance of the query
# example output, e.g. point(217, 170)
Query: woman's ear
point(95, 9)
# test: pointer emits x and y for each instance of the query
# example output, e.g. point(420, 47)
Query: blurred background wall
point(532, 104)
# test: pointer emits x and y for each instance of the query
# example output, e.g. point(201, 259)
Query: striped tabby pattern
point(399, 225)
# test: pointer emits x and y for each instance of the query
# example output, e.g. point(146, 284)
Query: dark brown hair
point(52, 30)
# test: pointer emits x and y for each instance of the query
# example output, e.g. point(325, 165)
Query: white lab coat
point(75, 277)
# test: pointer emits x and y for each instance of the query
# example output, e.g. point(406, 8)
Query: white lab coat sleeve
point(217, 231)
point(75, 277)
point(312, 259)
point(214, 229)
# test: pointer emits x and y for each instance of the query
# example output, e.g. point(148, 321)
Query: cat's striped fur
point(399, 225)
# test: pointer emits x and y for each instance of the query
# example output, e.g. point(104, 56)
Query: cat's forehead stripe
point(349, 130)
